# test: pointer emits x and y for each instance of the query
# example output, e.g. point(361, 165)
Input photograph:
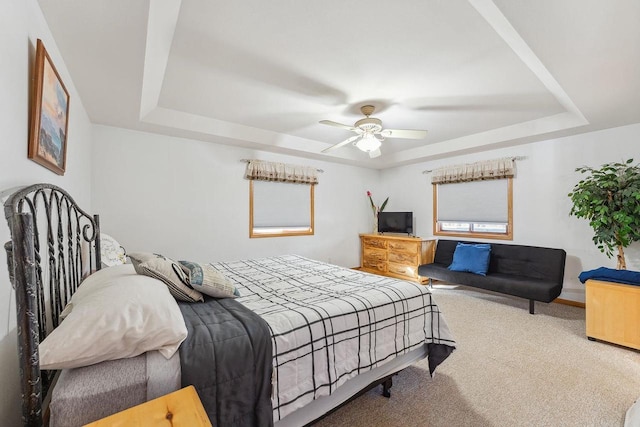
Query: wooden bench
point(181, 408)
point(613, 312)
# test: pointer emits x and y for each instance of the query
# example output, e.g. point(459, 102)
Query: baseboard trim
point(569, 302)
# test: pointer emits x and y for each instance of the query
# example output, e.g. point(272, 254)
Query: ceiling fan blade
point(341, 144)
point(404, 133)
point(336, 124)
point(375, 153)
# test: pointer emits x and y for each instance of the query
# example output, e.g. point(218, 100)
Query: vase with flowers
point(376, 210)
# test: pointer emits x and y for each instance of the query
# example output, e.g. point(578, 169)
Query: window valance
point(487, 169)
point(281, 172)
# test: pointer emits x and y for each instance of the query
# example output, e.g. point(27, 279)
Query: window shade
point(475, 201)
point(278, 204)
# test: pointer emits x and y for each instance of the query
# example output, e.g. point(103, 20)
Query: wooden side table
point(181, 408)
point(613, 312)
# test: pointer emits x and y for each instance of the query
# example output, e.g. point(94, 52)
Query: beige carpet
point(509, 369)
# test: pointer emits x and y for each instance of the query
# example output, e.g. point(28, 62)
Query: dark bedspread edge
point(437, 354)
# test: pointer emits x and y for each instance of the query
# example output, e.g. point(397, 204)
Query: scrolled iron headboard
point(54, 245)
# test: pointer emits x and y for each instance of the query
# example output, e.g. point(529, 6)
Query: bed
point(333, 332)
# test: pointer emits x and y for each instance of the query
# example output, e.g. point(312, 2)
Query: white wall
point(540, 203)
point(21, 24)
point(188, 199)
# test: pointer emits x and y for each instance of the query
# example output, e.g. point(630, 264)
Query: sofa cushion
point(471, 257)
point(444, 251)
point(531, 261)
point(519, 286)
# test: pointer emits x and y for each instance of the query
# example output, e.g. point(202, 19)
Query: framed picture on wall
point(49, 115)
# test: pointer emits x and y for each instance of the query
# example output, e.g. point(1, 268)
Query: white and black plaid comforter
point(330, 323)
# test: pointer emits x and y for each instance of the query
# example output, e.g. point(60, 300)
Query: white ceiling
point(477, 74)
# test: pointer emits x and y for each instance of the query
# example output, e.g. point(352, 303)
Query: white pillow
point(115, 313)
point(111, 252)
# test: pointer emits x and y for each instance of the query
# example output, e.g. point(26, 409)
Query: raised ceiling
point(476, 74)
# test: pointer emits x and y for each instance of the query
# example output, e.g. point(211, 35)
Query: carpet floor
point(509, 369)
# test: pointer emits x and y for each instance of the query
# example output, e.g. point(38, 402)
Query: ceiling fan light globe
point(368, 143)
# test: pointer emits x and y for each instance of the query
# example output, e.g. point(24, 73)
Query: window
point(280, 209)
point(280, 198)
point(481, 209)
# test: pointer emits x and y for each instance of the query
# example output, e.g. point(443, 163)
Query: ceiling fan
point(370, 133)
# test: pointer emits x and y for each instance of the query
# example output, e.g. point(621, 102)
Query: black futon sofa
point(529, 272)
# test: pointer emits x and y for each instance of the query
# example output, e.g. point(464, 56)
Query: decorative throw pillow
point(472, 258)
point(111, 252)
point(209, 281)
point(171, 273)
point(138, 258)
point(115, 313)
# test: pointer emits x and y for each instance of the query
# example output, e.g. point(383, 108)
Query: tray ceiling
point(476, 74)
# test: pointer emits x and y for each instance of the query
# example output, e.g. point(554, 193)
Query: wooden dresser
point(395, 256)
point(613, 312)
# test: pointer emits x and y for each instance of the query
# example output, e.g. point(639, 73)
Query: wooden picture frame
point(49, 115)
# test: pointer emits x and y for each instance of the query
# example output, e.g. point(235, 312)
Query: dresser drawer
point(402, 269)
point(401, 246)
point(374, 255)
point(374, 243)
point(403, 258)
point(372, 264)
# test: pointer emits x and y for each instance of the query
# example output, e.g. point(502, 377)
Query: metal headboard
point(54, 245)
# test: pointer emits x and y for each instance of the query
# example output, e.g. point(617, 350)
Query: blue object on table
point(628, 277)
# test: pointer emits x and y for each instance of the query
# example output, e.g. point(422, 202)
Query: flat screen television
point(395, 222)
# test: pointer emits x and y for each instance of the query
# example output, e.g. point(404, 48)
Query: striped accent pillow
point(138, 258)
point(206, 279)
point(171, 273)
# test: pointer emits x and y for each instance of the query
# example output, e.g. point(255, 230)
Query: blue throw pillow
point(472, 258)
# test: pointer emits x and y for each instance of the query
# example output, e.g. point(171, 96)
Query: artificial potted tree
point(609, 198)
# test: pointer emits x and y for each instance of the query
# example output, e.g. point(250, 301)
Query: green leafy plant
point(374, 208)
point(609, 198)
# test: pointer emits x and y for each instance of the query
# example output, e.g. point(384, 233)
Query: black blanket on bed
point(227, 358)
